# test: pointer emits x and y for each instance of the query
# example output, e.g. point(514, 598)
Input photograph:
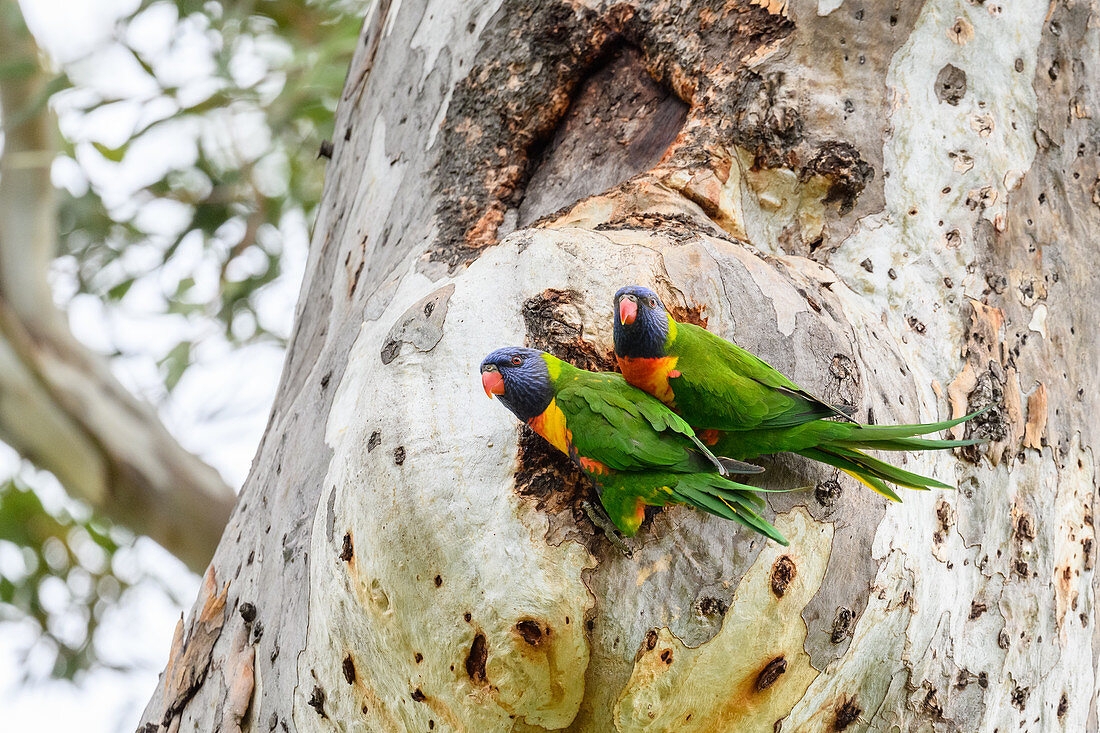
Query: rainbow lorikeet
point(635, 450)
point(742, 407)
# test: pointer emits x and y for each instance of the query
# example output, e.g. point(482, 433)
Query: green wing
point(722, 386)
point(626, 429)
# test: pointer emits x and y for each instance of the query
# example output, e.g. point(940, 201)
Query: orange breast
point(651, 375)
point(551, 426)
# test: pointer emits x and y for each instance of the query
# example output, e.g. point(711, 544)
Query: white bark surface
point(835, 199)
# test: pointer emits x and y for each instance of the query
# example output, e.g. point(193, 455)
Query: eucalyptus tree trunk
point(892, 203)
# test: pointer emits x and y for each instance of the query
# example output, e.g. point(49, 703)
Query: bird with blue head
point(634, 449)
point(744, 408)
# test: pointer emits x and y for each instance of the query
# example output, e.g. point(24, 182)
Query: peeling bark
point(831, 199)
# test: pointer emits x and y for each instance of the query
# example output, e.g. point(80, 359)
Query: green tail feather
point(901, 444)
point(846, 454)
point(888, 472)
point(852, 469)
point(864, 436)
point(721, 497)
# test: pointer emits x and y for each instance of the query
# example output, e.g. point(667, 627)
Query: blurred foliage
point(58, 576)
point(231, 105)
point(252, 124)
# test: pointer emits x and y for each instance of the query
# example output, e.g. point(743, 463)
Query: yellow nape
point(671, 329)
point(553, 366)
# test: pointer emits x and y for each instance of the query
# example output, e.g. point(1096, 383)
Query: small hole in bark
point(842, 624)
point(710, 606)
point(828, 493)
point(325, 380)
point(783, 572)
point(347, 552)
point(650, 640)
point(1025, 528)
point(418, 657)
point(530, 631)
point(666, 656)
point(349, 669)
point(317, 701)
point(438, 581)
point(466, 616)
point(1063, 705)
point(248, 612)
point(399, 455)
point(772, 671)
point(418, 696)
point(846, 714)
point(475, 660)
point(374, 441)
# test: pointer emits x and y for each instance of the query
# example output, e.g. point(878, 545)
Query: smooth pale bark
point(60, 406)
point(895, 206)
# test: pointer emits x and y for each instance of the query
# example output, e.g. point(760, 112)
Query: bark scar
point(421, 326)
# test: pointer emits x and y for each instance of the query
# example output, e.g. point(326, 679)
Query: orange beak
point(628, 311)
point(493, 383)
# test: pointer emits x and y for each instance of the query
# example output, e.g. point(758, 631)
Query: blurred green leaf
point(114, 155)
point(38, 534)
point(119, 291)
point(175, 363)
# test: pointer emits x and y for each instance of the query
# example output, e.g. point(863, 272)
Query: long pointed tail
point(902, 437)
point(727, 499)
point(871, 471)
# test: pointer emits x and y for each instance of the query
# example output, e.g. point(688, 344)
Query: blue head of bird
point(520, 378)
point(641, 323)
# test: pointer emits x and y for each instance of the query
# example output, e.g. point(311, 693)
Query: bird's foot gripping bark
point(599, 518)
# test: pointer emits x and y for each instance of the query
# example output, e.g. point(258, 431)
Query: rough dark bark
point(831, 199)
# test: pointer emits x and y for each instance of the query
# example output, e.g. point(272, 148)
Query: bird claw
point(599, 518)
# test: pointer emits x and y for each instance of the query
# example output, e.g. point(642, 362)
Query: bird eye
point(652, 302)
point(516, 361)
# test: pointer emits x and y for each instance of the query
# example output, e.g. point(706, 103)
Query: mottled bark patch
point(848, 173)
point(421, 326)
point(950, 84)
